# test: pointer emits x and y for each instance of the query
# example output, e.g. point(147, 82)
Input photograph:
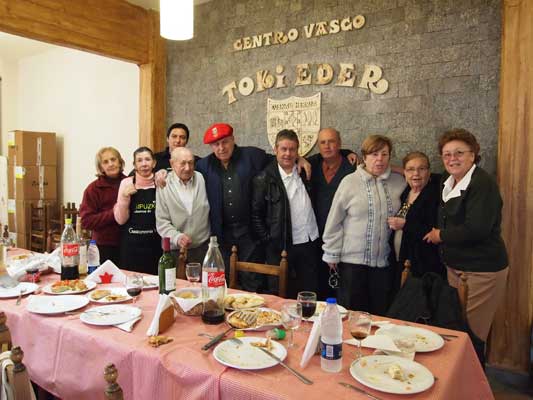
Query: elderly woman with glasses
point(469, 229)
point(416, 217)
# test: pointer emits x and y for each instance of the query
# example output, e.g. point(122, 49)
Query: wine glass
point(308, 302)
point(360, 323)
point(291, 317)
point(134, 285)
point(193, 272)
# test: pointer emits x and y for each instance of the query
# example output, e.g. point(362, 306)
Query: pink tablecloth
point(67, 358)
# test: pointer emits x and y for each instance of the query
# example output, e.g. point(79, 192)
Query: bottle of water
point(70, 252)
point(213, 284)
point(93, 257)
point(331, 338)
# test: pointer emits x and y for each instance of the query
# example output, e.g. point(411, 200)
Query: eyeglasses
point(455, 154)
point(413, 170)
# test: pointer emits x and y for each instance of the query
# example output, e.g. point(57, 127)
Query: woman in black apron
point(140, 244)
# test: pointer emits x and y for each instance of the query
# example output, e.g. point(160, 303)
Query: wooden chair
point(182, 260)
point(39, 222)
point(5, 335)
point(281, 270)
point(113, 391)
point(57, 225)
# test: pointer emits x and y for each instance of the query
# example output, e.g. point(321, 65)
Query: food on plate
point(396, 372)
point(100, 294)
point(115, 297)
point(156, 341)
point(265, 317)
point(253, 318)
point(243, 301)
point(266, 345)
point(75, 285)
point(187, 295)
point(21, 257)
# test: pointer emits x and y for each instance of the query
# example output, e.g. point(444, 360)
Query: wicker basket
point(195, 311)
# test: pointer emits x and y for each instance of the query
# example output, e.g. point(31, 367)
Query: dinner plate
point(241, 296)
point(24, 287)
point(110, 315)
point(264, 327)
point(114, 291)
point(56, 304)
point(425, 340)
point(372, 371)
point(150, 282)
point(90, 286)
point(245, 356)
point(321, 306)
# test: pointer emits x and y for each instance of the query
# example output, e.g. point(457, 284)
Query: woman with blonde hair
point(96, 209)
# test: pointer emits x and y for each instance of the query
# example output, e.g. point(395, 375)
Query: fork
point(21, 292)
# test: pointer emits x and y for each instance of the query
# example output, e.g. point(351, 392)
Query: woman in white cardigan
point(356, 237)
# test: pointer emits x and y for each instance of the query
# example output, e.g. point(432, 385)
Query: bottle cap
point(68, 221)
point(331, 300)
point(92, 241)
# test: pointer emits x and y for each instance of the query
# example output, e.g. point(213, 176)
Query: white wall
point(88, 100)
point(8, 116)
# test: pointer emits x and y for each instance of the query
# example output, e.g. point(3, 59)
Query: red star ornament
point(106, 278)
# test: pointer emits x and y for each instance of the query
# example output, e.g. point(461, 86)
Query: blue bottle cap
point(92, 241)
point(331, 300)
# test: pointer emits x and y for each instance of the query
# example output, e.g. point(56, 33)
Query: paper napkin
point(312, 343)
point(381, 342)
point(128, 326)
point(188, 304)
point(164, 302)
point(106, 269)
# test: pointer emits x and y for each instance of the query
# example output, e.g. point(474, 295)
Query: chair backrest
point(5, 335)
point(18, 377)
point(113, 391)
point(281, 270)
point(182, 260)
point(39, 222)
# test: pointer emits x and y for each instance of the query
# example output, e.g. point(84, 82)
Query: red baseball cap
point(216, 132)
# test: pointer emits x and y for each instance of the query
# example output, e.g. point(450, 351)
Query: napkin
point(381, 342)
point(187, 304)
point(163, 303)
point(111, 269)
point(312, 343)
point(17, 268)
point(128, 325)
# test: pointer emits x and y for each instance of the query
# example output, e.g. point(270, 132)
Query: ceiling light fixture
point(176, 19)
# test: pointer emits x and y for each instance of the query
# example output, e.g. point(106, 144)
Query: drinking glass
point(308, 302)
point(360, 323)
point(193, 271)
point(134, 285)
point(291, 317)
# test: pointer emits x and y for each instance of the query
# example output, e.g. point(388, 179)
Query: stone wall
point(440, 57)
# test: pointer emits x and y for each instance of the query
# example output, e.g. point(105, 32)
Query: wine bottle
point(166, 269)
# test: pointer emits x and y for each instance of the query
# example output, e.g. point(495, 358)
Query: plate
point(242, 301)
point(110, 315)
point(113, 292)
point(56, 304)
point(321, 306)
point(264, 327)
point(371, 371)
point(245, 356)
point(90, 286)
point(150, 282)
point(25, 287)
point(425, 340)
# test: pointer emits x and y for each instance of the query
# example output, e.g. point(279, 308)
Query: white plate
point(257, 328)
point(237, 295)
point(90, 286)
point(371, 371)
point(114, 291)
point(110, 315)
point(246, 356)
point(425, 340)
point(25, 287)
point(150, 282)
point(56, 304)
point(321, 306)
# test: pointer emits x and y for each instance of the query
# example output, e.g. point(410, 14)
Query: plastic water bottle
point(331, 338)
point(93, 257)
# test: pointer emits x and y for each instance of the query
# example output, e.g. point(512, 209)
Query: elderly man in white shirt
point(182, 209)
point(283, 217)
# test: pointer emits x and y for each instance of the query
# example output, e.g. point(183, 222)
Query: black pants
point(364, 288)
point(110, 253)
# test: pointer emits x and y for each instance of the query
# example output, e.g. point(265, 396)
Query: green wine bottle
point(166, 269)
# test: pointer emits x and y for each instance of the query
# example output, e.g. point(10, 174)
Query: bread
point(396, 372)
point(100, 294)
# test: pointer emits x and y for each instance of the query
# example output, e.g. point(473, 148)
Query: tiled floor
point(510, 386)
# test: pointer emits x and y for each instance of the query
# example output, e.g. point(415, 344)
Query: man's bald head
point(182, 162)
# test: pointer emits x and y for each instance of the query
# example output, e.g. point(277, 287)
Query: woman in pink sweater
point(140, 244)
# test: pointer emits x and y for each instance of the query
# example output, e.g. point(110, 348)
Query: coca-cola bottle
point(70, 252)
point(213, 284)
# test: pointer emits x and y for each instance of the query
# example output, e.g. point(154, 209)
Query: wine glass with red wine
point(134, 285)
point(308, 302)
point(360, 323)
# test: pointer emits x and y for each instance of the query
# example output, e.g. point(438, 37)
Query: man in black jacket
point(283, 217)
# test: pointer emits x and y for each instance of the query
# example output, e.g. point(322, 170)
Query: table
point(67, 358)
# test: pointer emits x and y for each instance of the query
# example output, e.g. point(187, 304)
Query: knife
point(348, 385)
point(216, 339)
point(293, 371)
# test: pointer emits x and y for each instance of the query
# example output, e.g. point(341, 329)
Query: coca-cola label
point(70, 249)
point(215, 279)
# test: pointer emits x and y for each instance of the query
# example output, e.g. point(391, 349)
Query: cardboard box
point(18, 213)
point(32, 182)
point(31, 148)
